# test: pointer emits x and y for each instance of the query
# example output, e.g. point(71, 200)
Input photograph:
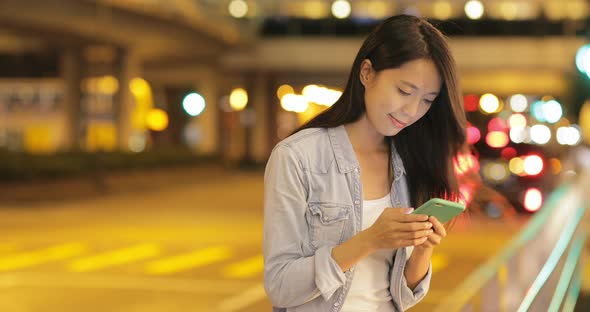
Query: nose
point(412, 108)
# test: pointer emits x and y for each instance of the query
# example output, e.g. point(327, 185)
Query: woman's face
point(396, 98)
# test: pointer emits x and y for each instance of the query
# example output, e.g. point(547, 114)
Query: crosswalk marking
point(439, 262)
point(114, 258)
point(246, 268)
point(32, 258)
point(189, 261)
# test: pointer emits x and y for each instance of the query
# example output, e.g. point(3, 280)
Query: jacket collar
point(346, 158)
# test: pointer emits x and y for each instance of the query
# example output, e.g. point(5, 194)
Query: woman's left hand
point(436, 237)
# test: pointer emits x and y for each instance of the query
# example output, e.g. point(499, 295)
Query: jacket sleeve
point(404, 297)
point(290, 278)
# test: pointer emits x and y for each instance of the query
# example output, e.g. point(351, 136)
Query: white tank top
point(369, 290)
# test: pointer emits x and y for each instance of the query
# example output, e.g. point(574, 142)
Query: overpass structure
point(181, 45)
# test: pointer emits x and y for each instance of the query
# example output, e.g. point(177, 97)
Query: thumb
point(407, 210)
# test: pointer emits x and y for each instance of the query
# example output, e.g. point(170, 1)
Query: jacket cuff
point(328, 274)
point(419, 292)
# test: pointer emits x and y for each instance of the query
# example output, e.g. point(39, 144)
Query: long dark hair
point(428, 146)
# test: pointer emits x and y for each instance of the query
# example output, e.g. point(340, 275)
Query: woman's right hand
point(396, 228)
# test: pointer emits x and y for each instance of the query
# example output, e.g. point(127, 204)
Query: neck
point(364, 137)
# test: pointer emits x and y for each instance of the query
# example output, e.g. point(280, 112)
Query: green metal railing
point(539, 270)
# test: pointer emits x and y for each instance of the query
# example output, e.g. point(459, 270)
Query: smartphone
point(443, 210)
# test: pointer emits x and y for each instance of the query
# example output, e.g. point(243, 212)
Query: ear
point(367, 72)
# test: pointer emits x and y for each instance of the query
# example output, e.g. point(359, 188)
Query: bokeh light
point(552, 111)
point(516, 166)
point(497, 139)
point(341, 9)
point(238, 99)
point(157, 120)
point(568, 135)
point(497, 124)
point(238, 8)
point(518, 103)
point(519, 134)
point(538, 111)
point(284, 90)
point(465, 162)
point(321, 95)
point(489, 103)
point(139, 87)
point(496, 172)
point(583, 59)
point(474, 9)
point(517, 121)
point(555, 165)
point(540, 134)
point(294, 103)
point(533, 165)
point(473, 134)
point(533, 199)
point(508, 153)
point(442, 9)
point(193, 104)
point(471, 102)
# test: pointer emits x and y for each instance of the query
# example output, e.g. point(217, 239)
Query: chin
point(389, 131)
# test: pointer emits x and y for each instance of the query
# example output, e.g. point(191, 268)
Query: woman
point(332, 241)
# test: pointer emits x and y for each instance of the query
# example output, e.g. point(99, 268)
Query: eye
point(402, 92)
point(429, 102)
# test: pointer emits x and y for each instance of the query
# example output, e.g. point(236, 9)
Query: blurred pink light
point(473, 135)
point(497, 124)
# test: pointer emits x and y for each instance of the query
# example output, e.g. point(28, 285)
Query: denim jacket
point(312, 203)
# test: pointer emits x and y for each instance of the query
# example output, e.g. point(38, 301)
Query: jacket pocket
point(327, 223)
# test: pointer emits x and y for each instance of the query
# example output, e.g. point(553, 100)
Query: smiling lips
point(396, 122)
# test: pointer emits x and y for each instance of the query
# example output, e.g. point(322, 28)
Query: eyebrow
point(413, 86)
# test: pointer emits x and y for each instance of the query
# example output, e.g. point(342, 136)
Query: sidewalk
point(83, 187)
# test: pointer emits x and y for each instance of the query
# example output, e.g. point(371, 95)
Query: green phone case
point(443, 210)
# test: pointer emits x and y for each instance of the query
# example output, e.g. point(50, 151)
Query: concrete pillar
point(127, 67)
point(260, 103)
point(71, 67)
point(208, 87)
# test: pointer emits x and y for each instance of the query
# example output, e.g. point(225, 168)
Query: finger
point(412, 235)
point(413, 242)
point(434, 239)
point(438, 227)
point(413, 226)
point(402, 217)
point(415, 234)
point(427, 244)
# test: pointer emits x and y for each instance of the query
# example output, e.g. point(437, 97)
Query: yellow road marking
point(242, 300)
point(439, 262)
point(244, 269)
point(32, 258)
point(6, 247)
point(188, 261)
point(114, 258)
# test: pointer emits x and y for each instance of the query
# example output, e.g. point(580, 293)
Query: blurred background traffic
point(134, 133)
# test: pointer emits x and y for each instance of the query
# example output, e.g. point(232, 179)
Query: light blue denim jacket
point(312, 203)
